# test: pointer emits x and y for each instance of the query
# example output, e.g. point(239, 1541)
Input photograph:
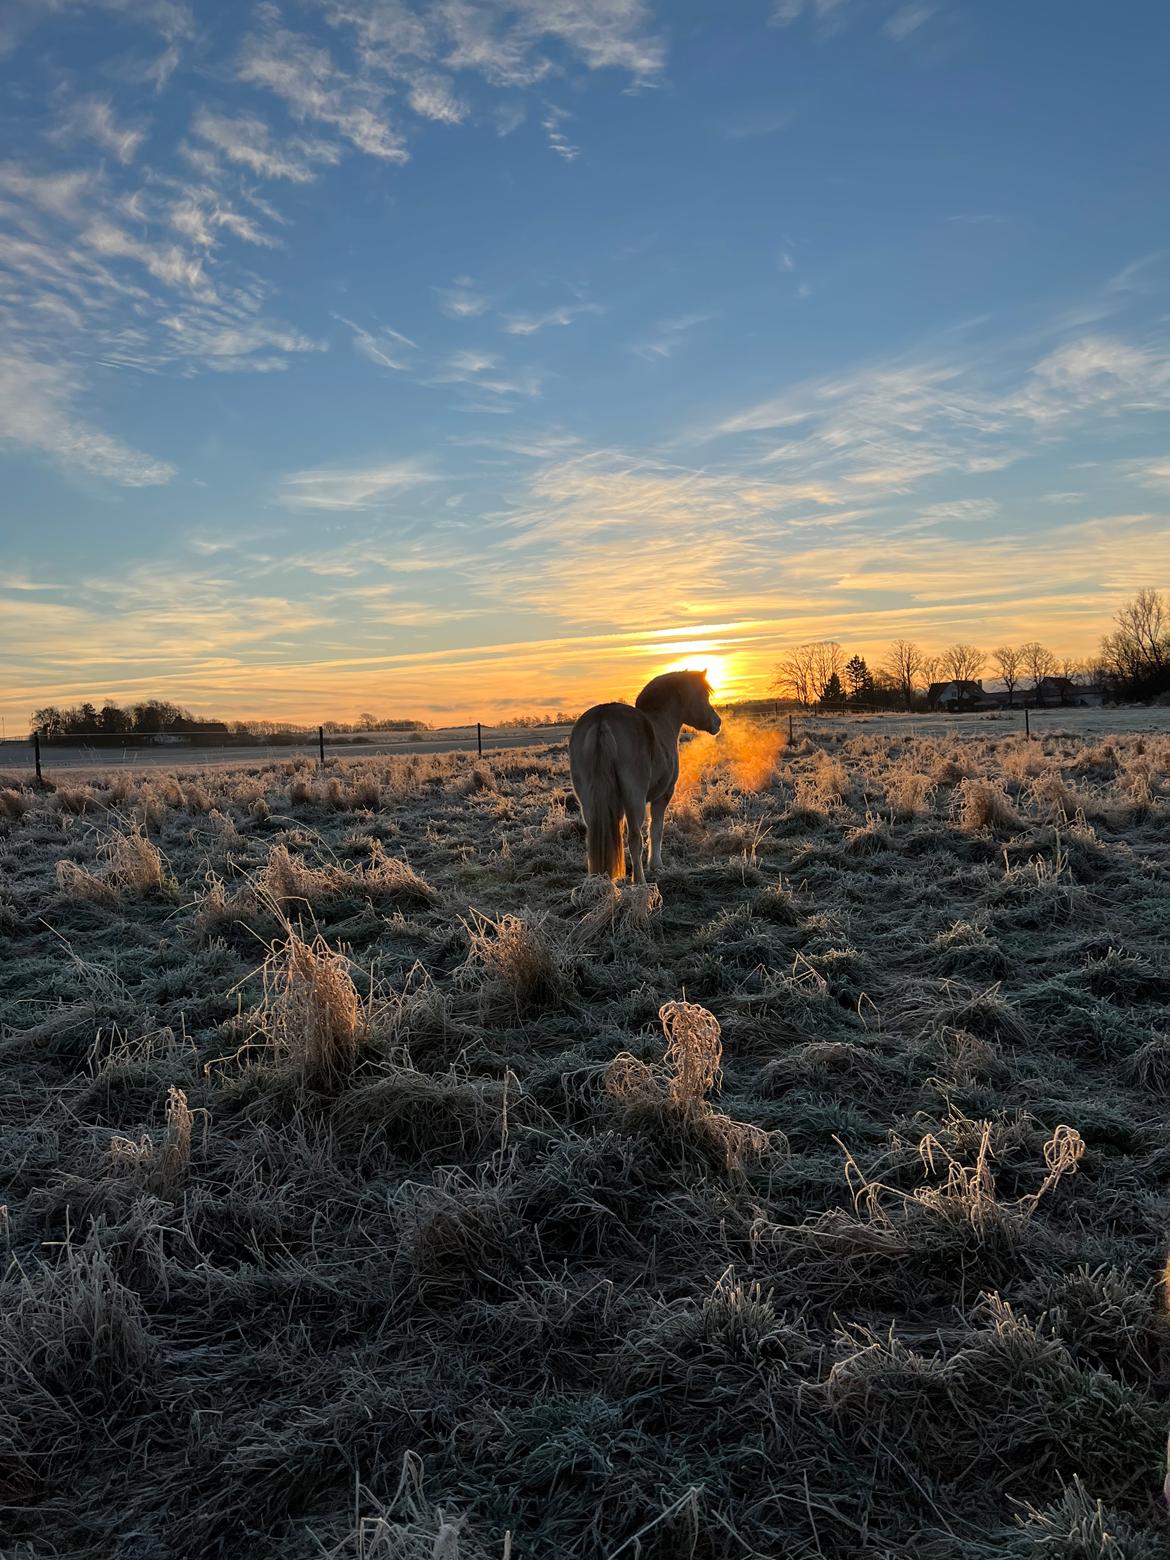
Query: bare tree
point(1039, 663)
point(793, 676)
point(828, 663)
point(807, 670)
point(963, 663)
point(1145, 622)
point(1137, 653)
point(904, 662)
point(1009, 659)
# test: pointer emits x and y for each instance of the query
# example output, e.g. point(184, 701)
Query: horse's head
point(702, 716)
point(686, 695)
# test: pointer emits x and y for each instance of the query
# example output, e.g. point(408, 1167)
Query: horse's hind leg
point(635, 823)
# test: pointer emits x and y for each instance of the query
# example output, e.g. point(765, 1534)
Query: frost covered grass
point(376, 1185)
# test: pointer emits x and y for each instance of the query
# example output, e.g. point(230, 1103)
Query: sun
point(718, 668)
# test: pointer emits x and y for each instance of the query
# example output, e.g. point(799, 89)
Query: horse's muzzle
point(715, 725)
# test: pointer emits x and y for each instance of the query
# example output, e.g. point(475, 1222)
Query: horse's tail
point(603, 827)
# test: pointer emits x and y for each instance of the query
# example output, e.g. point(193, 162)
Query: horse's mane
point(664, 690)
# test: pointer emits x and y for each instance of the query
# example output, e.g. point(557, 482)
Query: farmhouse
point(960, 694)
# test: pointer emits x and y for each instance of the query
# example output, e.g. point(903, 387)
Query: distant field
point(1087, 722)
point(18, 756)
point(433, 1237)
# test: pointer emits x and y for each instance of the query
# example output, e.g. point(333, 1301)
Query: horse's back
point(629, 731)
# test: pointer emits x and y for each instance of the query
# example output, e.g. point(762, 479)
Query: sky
point(465, 358)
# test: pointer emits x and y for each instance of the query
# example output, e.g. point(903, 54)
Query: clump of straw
point(133, 867)
point(161, 1167)
point(678, 1087)
point(311, 1009)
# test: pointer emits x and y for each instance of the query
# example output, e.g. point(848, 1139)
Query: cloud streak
point(364, 488)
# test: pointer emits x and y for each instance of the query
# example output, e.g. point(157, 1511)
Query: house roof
point(963, 685)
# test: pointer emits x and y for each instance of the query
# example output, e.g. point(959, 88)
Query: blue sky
point(463, 357)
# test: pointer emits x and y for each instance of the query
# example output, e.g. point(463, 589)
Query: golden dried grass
point(680, 1084)
point(311, 1010)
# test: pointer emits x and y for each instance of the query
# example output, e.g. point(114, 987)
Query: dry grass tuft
point(962, 1155)
point(678, 1088)
point(78, 883)
point(286, 879)
point(14, 804)
point(136, 865)
point(1056, 798)
point(160, 1168)
point(610, 908)
point(75, 799)
point(311, 1009)
point(479, 778)
point(133, 868)
point(395, 878)
point(302, 792)
point(409, 1527)
point(984, 805)
point(522, 965)
point(694, 1051)
point(908, 794)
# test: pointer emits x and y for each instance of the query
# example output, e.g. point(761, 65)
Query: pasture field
point(377, 1186)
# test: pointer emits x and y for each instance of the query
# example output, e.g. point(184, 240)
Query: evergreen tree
point(859, 679)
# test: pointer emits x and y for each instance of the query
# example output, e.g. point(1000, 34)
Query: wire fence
point(203, 749)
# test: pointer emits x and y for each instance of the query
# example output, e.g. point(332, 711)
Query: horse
point(621, 758)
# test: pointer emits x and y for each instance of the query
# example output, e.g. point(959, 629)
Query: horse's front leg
point(635, 823)
point(657, 819)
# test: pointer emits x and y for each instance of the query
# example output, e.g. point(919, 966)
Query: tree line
point(1133, 664)
point(161, 717)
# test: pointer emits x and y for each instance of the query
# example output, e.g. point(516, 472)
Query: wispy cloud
point(461, 301)
point(363, 488)
point(246, 139)
point(553, 119)
point(309, 81)
point(93, 119)
point(37, 413)
point(893, 425)
point(434, 97)
point(769, 121)
point(1154, 474)
point(487, 376)
point(907, 19)
point(529, 324)
point(668, 335)
point(388, 348)
point(1099, 374)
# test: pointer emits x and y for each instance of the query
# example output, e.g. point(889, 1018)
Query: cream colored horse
point(622, 758)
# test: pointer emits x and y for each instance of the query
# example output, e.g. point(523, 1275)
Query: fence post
point(321, 744)
point(479, 738)
point(37, 755)
point(790, 726)
point(1027, 723)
